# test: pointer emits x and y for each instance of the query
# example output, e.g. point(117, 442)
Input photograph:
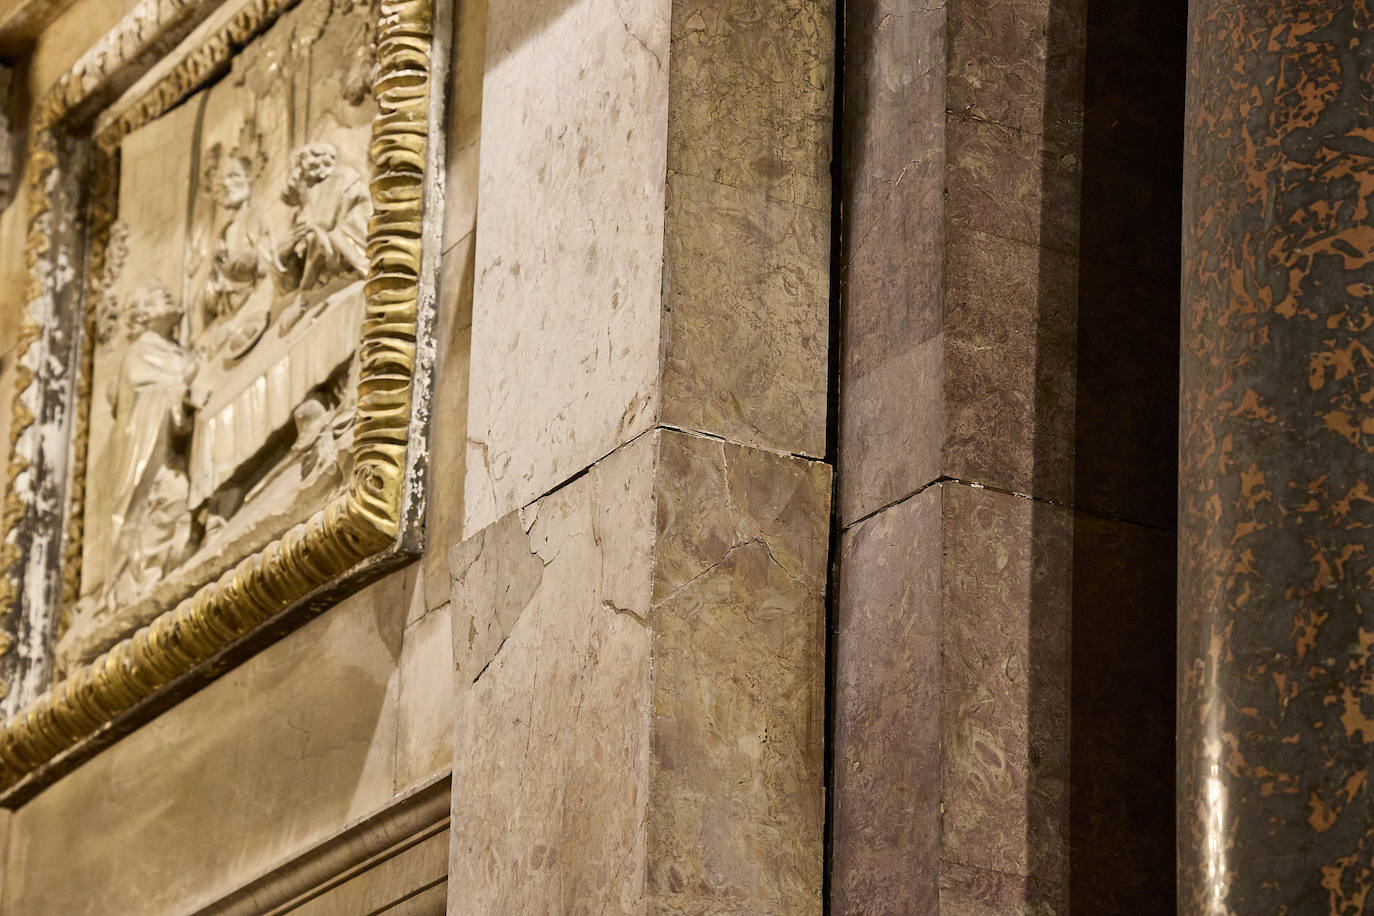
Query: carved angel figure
point(329, 227)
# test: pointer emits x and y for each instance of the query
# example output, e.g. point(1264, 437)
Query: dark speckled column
point(1276, 577)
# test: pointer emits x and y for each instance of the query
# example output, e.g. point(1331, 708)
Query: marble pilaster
point(640, 688)
point(1005, 230)
point(638, 606)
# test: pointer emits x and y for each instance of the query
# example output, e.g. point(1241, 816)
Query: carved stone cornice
point(406, 821)
point(378, 514)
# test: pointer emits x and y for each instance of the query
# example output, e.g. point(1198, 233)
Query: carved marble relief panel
point(230, 408)
point(224, 371)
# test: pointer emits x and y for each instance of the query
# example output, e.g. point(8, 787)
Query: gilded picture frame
point(165, 50)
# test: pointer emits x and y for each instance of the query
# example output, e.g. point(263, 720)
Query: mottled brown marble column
point(1276, 578)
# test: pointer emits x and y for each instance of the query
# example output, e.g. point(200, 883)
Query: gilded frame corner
point(374, 525)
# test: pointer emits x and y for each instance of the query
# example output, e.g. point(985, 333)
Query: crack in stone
point(785, 571)
point(609, 605)
point(882, 208)
point(486, 456)
point(455, 552)
point(635, 35)
point(494, 656)
point(718, 563)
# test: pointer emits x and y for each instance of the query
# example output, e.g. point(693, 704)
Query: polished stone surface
point(888, 454)
point(735, 795)
point(969, 891)
point(715, 321)
point(699, 686)
point(892, 276)
point(647, 643)
point(729, 123)
point(1004, 705)
point(886, 817)
point(569, 260)
point(1012, 639)
point(1276, 697)
point(1003, 159)
point(1013, 183)
point(1018, 63)
point(444, 503)
point(1010, 350)
point(746, 273)
point(424, 735)
point(746, 315)
point(553, 717)
point(1009, 267)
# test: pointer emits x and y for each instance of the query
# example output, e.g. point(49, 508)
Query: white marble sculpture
point(235, 301)
point(149, 518)
point(218, 426)
point(328, 237)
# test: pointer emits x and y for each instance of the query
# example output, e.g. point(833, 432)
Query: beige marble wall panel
point(415, 588)
point(746, 323)
point(483, 618)
point(569, 258)
point(264, 762)
point(748, 222)
point(448, 436)
point(424, 741)
point(736, 801)
point(550, 765)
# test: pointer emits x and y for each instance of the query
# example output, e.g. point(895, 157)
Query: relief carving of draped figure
point(146, 465)
point(231, 390)
point(234, 296)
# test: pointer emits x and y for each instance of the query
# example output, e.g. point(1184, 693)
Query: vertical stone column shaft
point(1276, 578)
